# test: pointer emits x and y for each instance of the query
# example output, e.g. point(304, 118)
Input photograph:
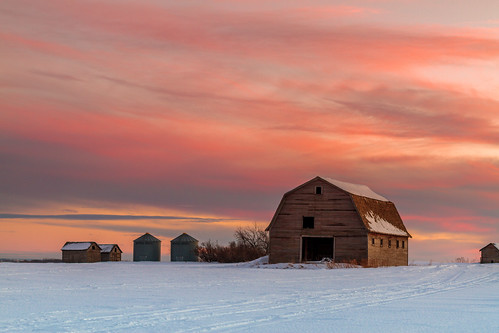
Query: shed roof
point(77, 246)
point(496, 245)
point(107, 248)
point(147, 238)
point(184, 238)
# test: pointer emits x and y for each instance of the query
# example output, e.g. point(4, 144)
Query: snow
point(77, 246)
point(197, 297)
point(106, 247)
point(263, 262)
point(382, 226)
point(360, 190)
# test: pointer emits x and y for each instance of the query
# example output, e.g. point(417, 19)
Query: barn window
point(372, 241)
point(403, 244)
point(398, 244)
point(308, 222)
point(318, 190)
point(381, 242)
point(93, 247)
point(389, 243)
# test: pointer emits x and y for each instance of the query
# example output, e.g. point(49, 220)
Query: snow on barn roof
point(357, 189)
point(377, 213)
point(76, 246)
point(380, 225)
point(106, 248)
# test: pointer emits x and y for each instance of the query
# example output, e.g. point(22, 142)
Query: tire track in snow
point(233, 315)
point(294, 306)
point(322, 303)
point(237, 315)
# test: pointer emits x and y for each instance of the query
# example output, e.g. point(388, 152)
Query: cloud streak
point(217, 110)
point(107, 217)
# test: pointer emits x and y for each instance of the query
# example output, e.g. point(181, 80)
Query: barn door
point(317, 248)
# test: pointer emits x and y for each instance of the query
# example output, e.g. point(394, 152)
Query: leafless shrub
point(345, 264)
point(253, 237)
point(207, 251)
point(251, 243)
point(462, 260)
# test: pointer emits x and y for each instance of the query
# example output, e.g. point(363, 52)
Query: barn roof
point(107, 248)
point(380, 217)
point(357, 189)
point(184, 238)
point(77, 246)
point(496, 245)
point(378, 214)
point(147, 238)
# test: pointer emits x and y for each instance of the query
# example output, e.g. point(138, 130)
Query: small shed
point(183, 248)
point(110, 252)
point(81, 252)
point(147, 248)
point(490, 254)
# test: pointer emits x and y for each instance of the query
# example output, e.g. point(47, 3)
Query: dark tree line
point(250, 243)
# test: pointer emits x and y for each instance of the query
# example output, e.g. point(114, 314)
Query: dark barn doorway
point(317, 248)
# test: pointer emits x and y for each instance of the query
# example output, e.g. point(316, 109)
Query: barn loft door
point(317, 248)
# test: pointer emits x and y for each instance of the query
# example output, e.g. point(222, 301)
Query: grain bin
point(183, 248)
point(147, 248)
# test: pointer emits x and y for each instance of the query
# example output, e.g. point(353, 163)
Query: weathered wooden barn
point(490, 254)
point(183, 248)
point(110, 252)
point(147, 248)
point(327, 218)
point(81, 252)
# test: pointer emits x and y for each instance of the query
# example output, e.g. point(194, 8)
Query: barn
point(110, 252)
point(327, 218)
point(490, 254)
point(81, 252)
point(183, 248)
point(147, 248)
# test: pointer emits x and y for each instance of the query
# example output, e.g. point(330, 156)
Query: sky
point(120, 117)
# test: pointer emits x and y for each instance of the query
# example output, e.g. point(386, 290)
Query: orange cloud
point(219, 109)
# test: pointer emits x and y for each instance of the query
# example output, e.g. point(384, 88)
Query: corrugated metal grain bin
point(147, 248)
point(183, 248)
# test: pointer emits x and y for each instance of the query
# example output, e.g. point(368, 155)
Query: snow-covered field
point(197, 297)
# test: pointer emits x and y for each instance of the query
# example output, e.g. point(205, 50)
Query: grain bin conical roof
point(146, 238)
point(184, 238)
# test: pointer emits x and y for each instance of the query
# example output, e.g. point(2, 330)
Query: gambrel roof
point(378, 214)
point(356, 189)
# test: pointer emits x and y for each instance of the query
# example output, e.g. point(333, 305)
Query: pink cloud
point(171, 104)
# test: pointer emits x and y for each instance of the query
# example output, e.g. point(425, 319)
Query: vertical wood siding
point(489, 254)
point(334, 216)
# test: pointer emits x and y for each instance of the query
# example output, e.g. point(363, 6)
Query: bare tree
point(251, 243)
point(253, 237)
